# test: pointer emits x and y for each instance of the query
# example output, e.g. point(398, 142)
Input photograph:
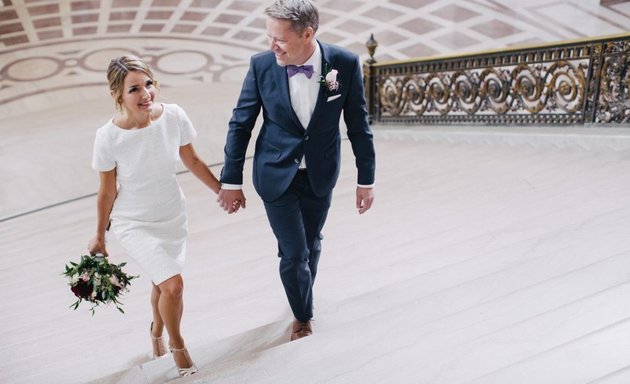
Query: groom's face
point(286, 44)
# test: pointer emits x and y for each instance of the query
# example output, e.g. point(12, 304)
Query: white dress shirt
point(304, 91)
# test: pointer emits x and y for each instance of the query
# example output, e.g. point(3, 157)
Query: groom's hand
point(365, 198)
point(231, 200)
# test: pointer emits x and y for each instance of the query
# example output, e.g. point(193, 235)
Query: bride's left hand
point(96, 246)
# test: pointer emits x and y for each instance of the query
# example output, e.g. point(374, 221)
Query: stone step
point(406, 312)
point(416, 341)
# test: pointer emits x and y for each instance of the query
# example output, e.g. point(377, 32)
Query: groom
point(302, 87)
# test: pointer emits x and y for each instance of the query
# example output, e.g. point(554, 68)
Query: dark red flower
point(82, 289)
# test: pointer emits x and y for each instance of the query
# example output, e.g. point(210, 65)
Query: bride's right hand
point(96, 246)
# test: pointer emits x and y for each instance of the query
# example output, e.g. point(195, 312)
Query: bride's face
point(138, 93)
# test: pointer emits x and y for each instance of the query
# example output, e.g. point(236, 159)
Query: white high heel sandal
point(156, 342)
point(184, 371)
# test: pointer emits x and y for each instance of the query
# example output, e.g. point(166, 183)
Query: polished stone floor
point(53, 51)
point(488, 258)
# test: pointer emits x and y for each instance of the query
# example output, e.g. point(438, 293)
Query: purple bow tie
point(305, 69)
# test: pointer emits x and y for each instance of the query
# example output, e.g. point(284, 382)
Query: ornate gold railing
point(572, 82)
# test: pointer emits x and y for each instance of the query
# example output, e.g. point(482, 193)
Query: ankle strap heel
point(192, 369)
point(157, 344)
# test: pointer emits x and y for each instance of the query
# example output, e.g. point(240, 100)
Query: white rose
point(331, 76)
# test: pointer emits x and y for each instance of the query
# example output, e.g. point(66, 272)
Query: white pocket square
point(331, 98)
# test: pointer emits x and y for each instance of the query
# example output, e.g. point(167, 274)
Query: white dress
point(149, 214)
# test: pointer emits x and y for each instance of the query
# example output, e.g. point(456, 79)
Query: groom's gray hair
point(301, 13)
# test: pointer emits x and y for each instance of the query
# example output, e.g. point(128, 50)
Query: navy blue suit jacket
point(283, 140)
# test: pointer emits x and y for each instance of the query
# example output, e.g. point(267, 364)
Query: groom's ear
point(309, 33)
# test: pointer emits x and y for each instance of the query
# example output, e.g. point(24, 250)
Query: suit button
point(305, 138)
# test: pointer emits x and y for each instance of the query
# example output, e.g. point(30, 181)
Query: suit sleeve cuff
point(231, 187)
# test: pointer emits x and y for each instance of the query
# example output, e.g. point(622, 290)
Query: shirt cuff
point(365, 186)
point(231, 187)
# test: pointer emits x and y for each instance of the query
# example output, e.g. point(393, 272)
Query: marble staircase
point(492, 255)
point(481, 262)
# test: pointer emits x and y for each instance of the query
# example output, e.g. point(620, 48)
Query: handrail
point(584, 81)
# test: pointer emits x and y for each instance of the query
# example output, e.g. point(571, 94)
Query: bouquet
point(95, 280)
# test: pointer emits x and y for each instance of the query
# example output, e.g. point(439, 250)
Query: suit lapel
point(285, 99)
point(321, 97)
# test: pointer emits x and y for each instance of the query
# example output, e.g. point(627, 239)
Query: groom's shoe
point(301, 329)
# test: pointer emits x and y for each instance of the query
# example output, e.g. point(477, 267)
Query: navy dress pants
point(297, 218)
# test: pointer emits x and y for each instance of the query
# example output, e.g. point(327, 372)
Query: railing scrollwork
point(568, 83)
point(614, 103)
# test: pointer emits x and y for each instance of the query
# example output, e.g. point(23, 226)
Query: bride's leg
point(171, 305)
point(157, 325)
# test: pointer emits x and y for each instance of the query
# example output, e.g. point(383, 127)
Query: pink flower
point(114, 280)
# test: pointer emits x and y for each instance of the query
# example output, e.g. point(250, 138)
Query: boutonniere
point(329, 79)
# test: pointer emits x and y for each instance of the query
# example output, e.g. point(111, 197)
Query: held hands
point(231, 200)
point(96, 246)
point(365, 198)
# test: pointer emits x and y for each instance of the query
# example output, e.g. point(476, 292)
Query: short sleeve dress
point(149, 214)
